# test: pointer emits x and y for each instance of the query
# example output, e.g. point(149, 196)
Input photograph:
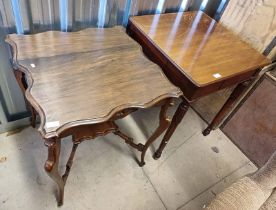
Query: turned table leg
point(51, 166)
point(164, 122)
point(177, 118)
point(228, 105)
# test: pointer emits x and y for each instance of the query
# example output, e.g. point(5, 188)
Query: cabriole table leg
point(177, 118)
point(164, 122)
point(228, 105)
point(51, 166)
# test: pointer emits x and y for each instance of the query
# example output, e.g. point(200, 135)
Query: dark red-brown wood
point(198, 55)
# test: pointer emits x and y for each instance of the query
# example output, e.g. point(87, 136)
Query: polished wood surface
point(198, 55)
point(80, 83)
point(86, 77)
point(202, 49)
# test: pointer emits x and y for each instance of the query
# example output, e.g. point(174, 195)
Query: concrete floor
point(105, 175)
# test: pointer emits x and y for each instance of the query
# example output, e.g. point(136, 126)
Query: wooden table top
point(202, 49)
point(85, 77)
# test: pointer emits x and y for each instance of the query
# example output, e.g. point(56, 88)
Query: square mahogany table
point(198, 55)
point(80, 83)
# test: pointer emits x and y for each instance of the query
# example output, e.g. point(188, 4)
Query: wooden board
point(253, 127)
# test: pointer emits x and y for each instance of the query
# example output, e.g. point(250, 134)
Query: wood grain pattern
point(198, 55)
point(199, 46)
point(81, 82)
point(86, 77)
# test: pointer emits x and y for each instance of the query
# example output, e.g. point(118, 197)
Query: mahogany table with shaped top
point(198, 55)
point(81, 82)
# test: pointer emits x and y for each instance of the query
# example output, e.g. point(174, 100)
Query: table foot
point(60, 202)
point(156, 155)
point(141, 164)
point(207, 131)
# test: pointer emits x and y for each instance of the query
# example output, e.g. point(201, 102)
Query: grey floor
point(105, 175)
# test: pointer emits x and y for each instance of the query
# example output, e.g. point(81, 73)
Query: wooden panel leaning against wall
point(255, 22)
point(253, 127)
